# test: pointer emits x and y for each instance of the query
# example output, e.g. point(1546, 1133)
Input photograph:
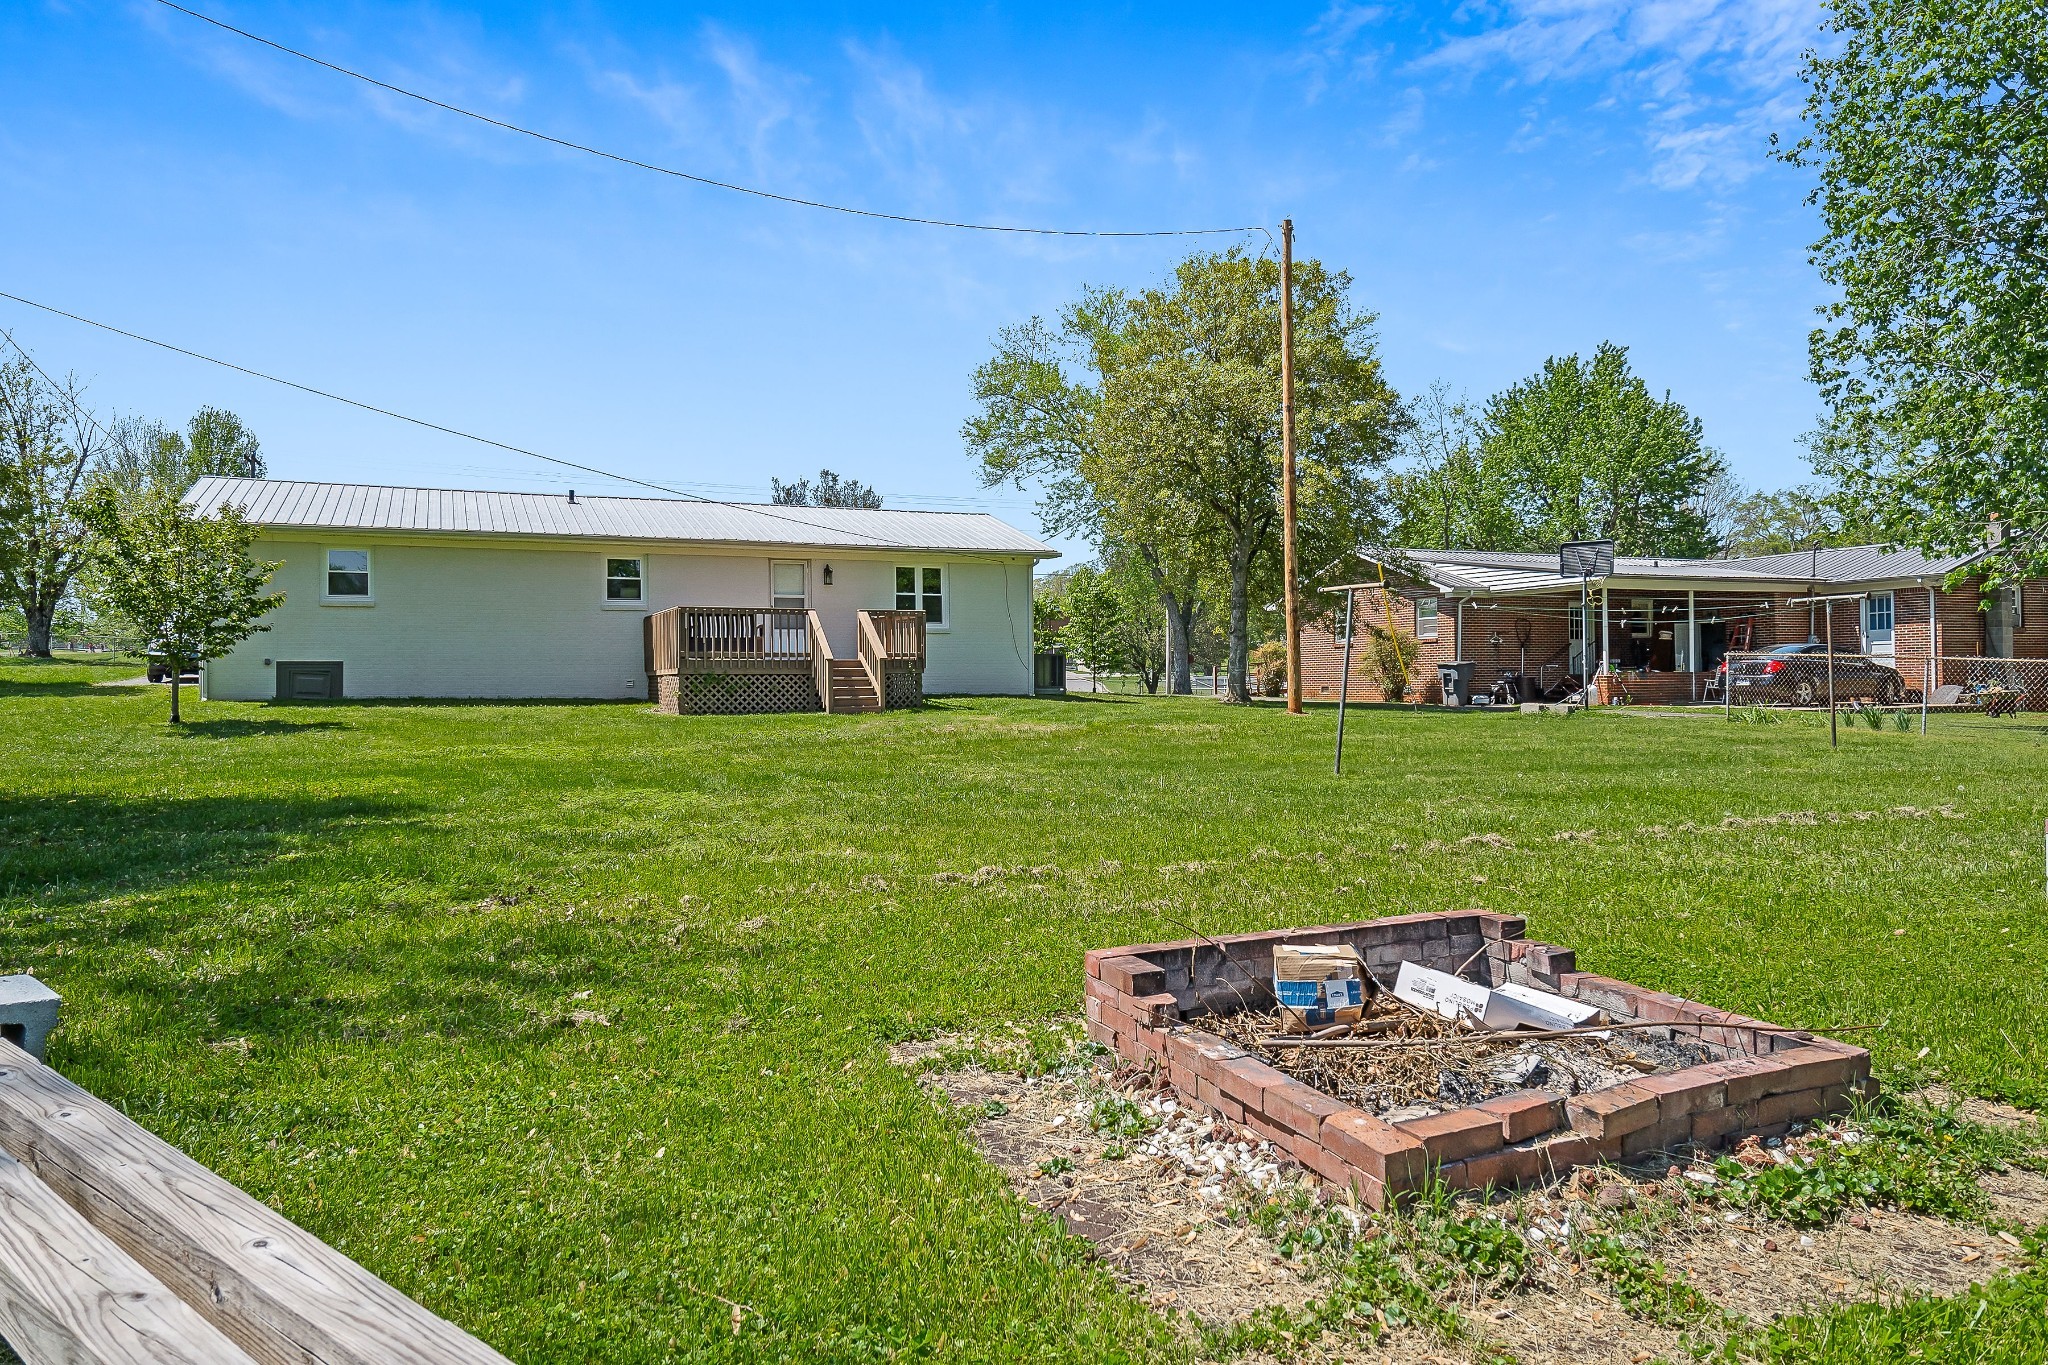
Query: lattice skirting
point(742, 694)
point(903, 687)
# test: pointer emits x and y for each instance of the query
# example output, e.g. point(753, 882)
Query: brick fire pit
point(1146, 1002)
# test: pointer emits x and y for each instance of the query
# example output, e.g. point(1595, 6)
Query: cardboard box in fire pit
point(1147, 1002)
point(1316, 986)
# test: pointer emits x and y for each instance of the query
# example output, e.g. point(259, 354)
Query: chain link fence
point(1948, 684)
point(1991, 687)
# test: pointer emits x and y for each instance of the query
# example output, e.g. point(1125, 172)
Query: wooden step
point(276, 1291)
point(67, 1293)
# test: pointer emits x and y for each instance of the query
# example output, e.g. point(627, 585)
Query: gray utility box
point(28, 1011)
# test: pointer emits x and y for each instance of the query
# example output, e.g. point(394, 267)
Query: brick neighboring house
point(1668, 622)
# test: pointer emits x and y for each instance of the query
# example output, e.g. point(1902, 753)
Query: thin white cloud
point(1707, 80)
point(1334, 49)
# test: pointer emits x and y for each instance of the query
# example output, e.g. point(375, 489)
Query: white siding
point(448, 621)
point(468, 619)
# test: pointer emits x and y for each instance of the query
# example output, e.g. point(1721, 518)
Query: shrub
point(1389, 660)
point(1269, 668)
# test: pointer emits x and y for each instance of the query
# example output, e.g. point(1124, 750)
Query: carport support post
point(1344, 678)
point(1606, 656)
point(1692, 639)
point(1933, 657)
point(1834, 731)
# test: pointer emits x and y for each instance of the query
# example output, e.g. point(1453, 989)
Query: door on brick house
point(2001, 619)
point(1575, 649)
point(1878, 610)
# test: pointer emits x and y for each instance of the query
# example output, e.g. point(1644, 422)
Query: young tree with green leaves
point(49, 446)
point(185, 584)
point(1114, 620)
point(1928, 131)
point(1589, 453)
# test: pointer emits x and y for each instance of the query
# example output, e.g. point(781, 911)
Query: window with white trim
point(1878, 615)
point(624, 581)
point(2015, 606)
point(348, 576)
point(922, 587)
point(790, 584)
point(1425, 618)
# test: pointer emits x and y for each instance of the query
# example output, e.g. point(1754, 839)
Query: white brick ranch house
point(422, 592)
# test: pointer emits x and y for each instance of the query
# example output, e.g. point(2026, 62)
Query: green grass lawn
point(568, 1018)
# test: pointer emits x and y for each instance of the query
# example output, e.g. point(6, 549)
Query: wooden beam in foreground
point(279, 1293)
point(70, 1296)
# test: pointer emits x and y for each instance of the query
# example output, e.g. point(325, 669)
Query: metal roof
point(285, 503)
point(1854, 564)
point(1501, 572)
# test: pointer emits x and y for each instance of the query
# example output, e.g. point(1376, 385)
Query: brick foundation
point(1141, 999)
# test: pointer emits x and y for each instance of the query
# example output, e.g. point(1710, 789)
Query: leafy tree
point(143, 455)
point(49, 445)
point(1928, 131)
point(1806, 517)
point(1589, 453)
point(1114, 621)
point(185, 583)
point(1174, 447)
point(1039, 399)
point(1447, 495)
point(1048, 612)
point(829, 490)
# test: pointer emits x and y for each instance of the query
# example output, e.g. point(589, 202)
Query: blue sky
point(1504, 181)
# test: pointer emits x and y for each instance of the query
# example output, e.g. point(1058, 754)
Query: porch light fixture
point(828, 575)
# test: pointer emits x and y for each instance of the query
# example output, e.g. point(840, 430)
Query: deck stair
point(853, 692)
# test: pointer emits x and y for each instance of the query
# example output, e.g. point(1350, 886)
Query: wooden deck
point(757, 660)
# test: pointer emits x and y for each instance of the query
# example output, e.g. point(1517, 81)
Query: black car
point(160, 670)
point(1799, 674)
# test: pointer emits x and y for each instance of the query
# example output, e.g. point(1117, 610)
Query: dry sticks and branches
point(1518, 1036)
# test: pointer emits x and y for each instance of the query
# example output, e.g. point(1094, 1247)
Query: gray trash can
point(1456, 678)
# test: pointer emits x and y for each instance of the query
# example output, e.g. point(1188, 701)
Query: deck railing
point(773, 635)
point(821, 662)
point(901, 632)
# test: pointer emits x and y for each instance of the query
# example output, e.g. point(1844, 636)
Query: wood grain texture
point(69, 1296)
point(278, 1292)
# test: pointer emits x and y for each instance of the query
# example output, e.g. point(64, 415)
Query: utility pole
point(1292, 596)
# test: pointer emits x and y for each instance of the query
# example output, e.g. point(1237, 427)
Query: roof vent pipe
point(572, 495)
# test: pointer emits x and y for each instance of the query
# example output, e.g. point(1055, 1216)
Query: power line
point(670, 171)
point(754, 508)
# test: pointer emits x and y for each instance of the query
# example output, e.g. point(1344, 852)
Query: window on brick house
point(1425, 618)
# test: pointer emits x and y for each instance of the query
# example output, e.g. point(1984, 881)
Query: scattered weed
point(1646, 1287)
point(1450, 1243)
point(1056, 1165)
point(1120, 1117)
point(1913, 1156)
